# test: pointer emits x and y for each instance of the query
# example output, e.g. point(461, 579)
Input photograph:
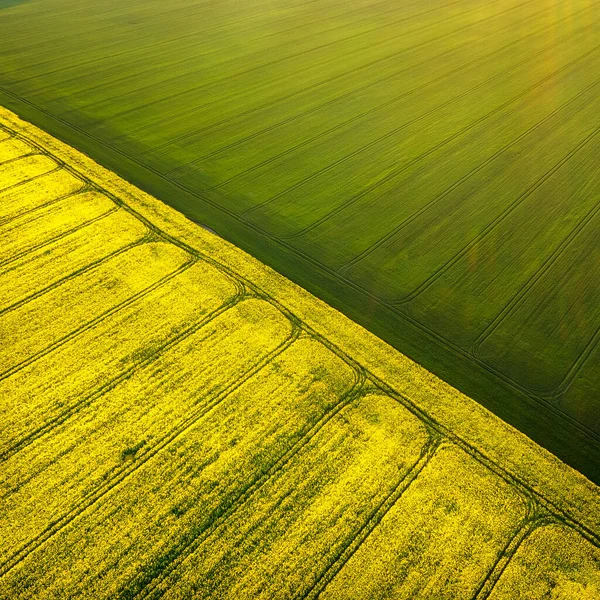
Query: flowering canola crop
point(181, 421)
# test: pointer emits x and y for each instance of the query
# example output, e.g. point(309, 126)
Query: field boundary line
point(328, 102)
point(479, 455)
point(98, 319)
point(398, 170)
point(345, 553)
point(446, 343)
point(122, 475)
point(170, 563)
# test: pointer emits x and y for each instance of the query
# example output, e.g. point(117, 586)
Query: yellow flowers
point(170, 428)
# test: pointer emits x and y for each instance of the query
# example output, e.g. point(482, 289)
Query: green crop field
point(428, 167)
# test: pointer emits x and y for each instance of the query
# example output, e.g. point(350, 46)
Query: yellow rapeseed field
point(179, 420)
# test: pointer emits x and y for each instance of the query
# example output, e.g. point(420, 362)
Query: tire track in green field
point(522, 293)
point(97, 320)
point(312, 86)
point(149, 585)
point(395, 172)
point(171, 64)
point(460, 181)
point(228, 77)
point(572, 373)
point(355, 118)
point(341, 557)
point(499, 219)
point(126, 471)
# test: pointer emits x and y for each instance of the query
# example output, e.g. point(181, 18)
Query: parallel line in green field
point(499, 219)
point(342, 96)
point(376, 141)
point(270, 63)
point(521, 294)
point(338, 97)
point(7, 220)
point(335, 565)
point(96, 321)
point(147, 587)
point(177, 50)
point(126, 471)
point(395, 172)
point(185, 16)
point(75, 33)
point(148, 237)
point(328, 80)
point(56, 238)
point(464, 178)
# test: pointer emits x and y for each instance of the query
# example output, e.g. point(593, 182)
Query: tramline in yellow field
point(180, 420)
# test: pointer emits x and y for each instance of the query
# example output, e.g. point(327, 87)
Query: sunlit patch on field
point(180, 421)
